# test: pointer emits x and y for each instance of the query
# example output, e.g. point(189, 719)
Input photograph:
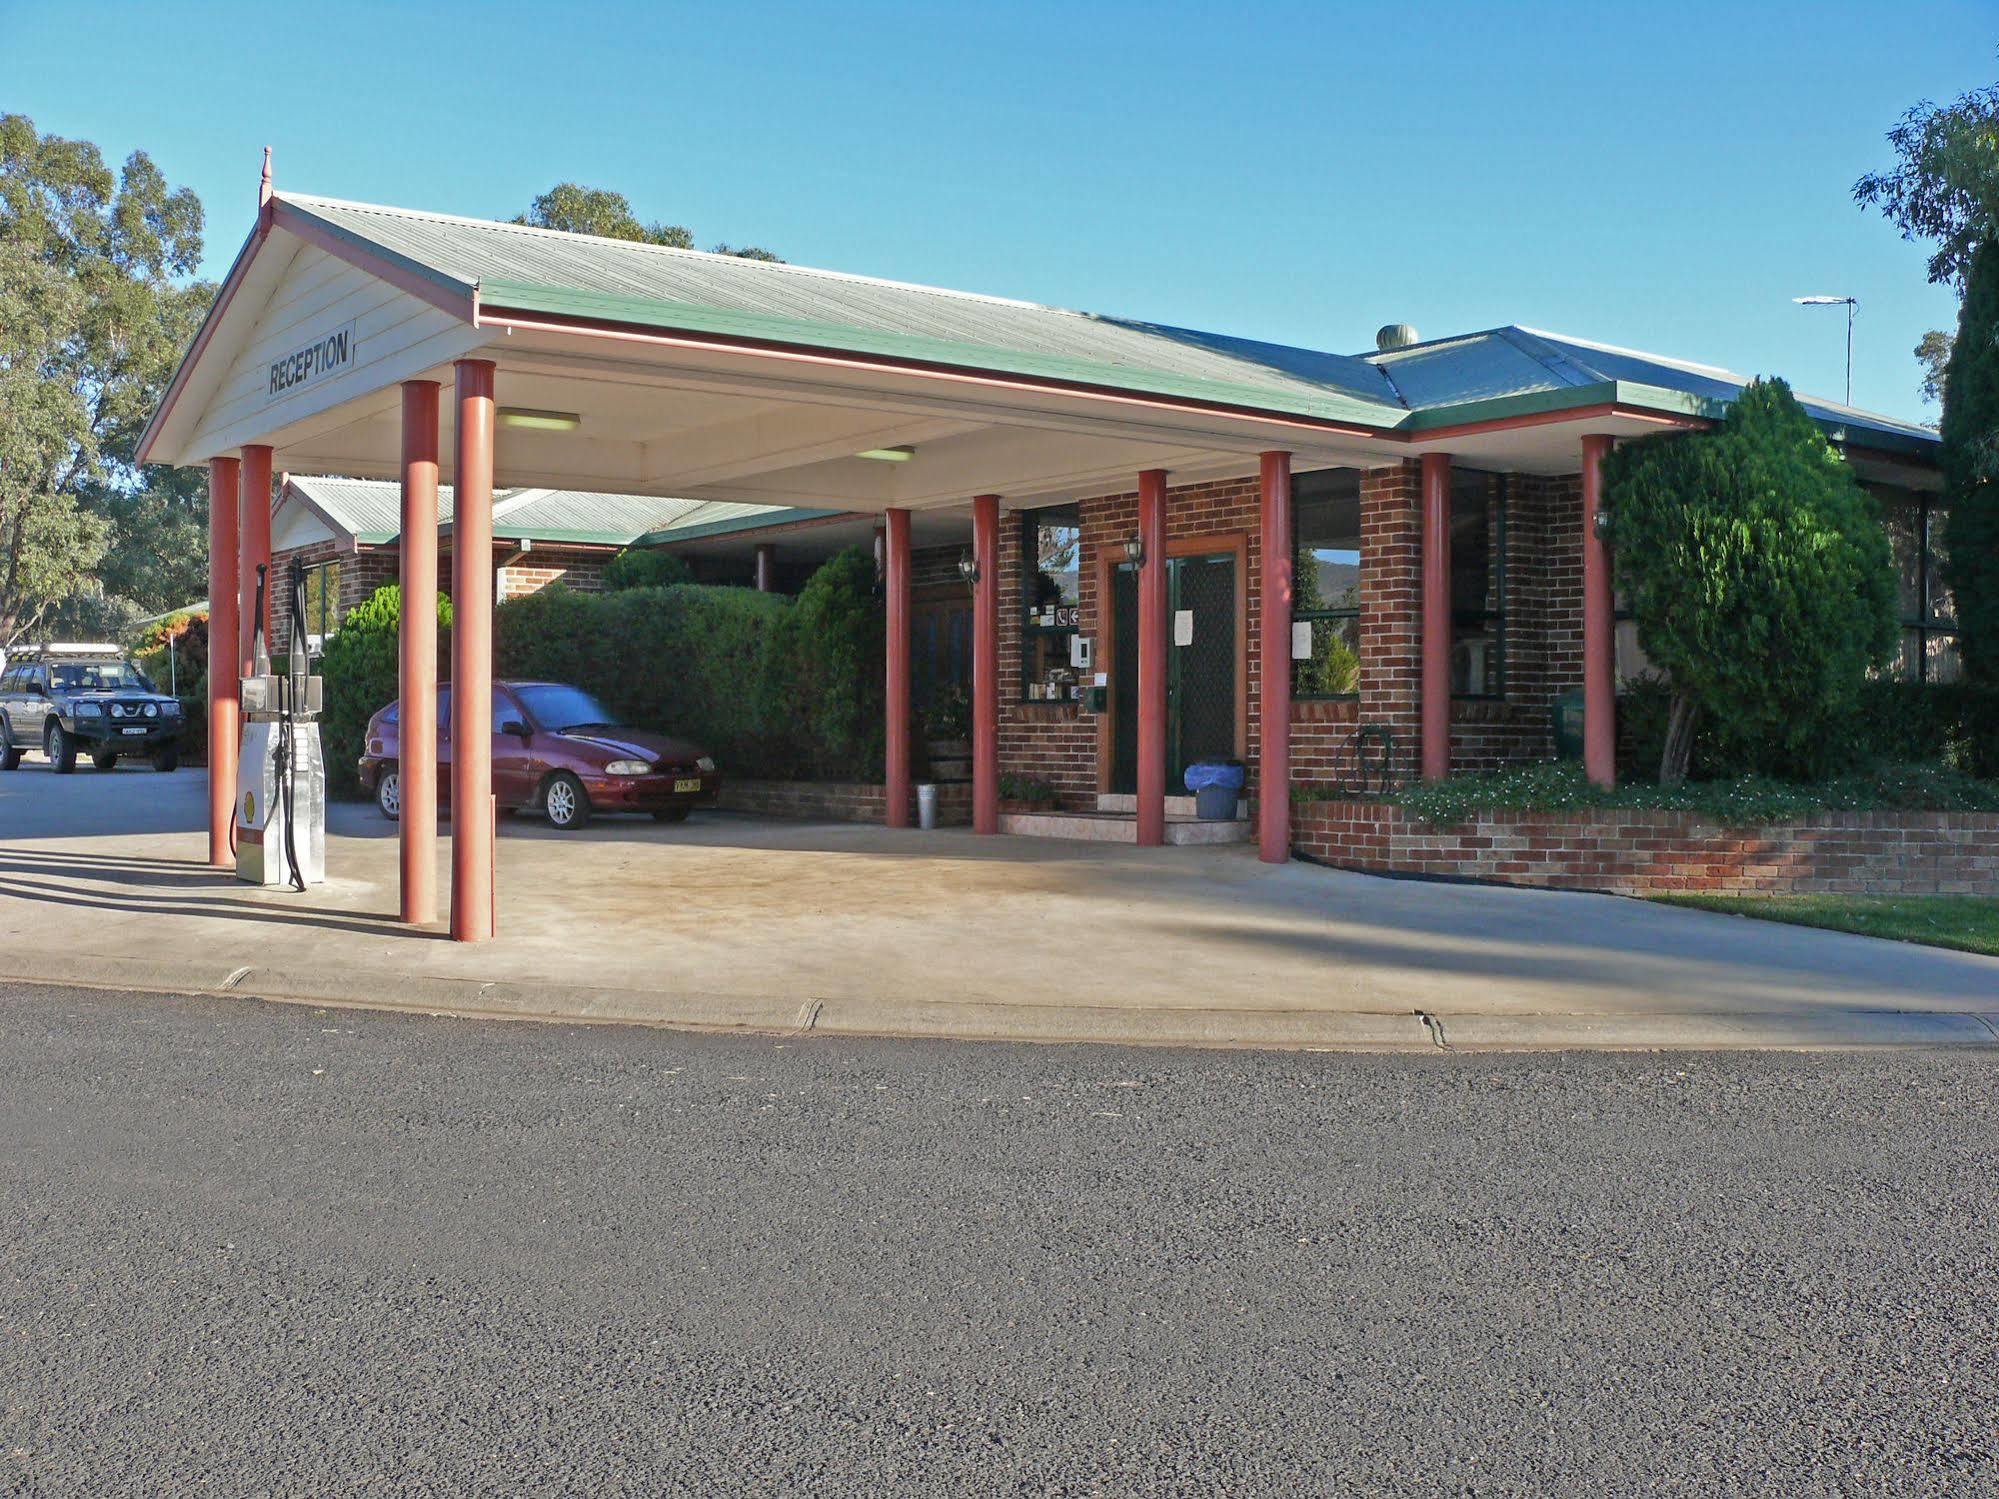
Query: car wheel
point(60, 748)
point(563, 799)
point(107, 760)
point(389, 795)
point(671, 814)
point(10, 752)
point(167, 758)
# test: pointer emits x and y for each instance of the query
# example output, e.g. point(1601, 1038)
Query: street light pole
point(1849, 303)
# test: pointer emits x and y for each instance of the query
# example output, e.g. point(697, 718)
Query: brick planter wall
point(838, 801)
point(1648, 853)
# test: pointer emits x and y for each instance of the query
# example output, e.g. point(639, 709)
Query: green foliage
point(1561, 786)
point(1970, 460)
point(1018, 788)
point(643, 568)
point(1932, 352)
point(949, 715)
point(173, 653)
point(96, 305)
point(1945, 183)
point(1757, 569)
point(360, 667)
point(772, 686)
point(1949, 724)
point(575, 209)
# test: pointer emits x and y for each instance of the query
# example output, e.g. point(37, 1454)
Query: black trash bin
point(1217, 785)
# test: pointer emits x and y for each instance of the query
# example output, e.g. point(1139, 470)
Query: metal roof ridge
point(769, 266)
point(1692, 366)
point(1537, 348)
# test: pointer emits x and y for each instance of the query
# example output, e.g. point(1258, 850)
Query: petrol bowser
point(281, 775)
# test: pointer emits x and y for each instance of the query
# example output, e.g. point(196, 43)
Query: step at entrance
point(1182, 829)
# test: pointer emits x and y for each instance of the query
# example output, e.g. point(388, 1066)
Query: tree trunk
point(1680, 721)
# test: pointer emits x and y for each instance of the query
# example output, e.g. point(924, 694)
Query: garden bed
point(1724, 839)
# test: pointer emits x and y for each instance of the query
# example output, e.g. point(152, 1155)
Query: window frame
point(1499, 495)
point(1299, 616)
point(1924, 626)
point(1031, 628)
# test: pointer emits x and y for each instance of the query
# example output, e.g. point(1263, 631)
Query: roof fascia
point(779, 520)
point(446, 292)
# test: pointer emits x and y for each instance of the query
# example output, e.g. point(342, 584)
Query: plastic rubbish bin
point(926, 806)
point(1216, 784)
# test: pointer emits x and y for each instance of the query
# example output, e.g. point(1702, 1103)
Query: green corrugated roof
point(1495, 373)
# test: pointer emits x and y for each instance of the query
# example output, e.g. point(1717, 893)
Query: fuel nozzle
point(260, 655)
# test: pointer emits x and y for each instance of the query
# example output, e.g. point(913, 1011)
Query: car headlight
point(705, 764)
point(628, 768)
point(90, 710)
point(152, 710)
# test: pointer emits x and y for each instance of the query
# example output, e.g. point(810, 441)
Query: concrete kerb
point(1295, 1030)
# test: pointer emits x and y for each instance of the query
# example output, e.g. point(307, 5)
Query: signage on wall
point(330, 354)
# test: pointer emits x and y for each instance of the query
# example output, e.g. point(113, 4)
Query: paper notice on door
point(1183, 626)
point(1301, 640)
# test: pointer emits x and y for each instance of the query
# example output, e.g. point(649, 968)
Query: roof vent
point(1394, 336)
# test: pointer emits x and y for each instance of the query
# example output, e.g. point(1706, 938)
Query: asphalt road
point(249, 1249)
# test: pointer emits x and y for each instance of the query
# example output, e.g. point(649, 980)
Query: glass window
point(1478, 584)
point(322, 604)
point(99, 676)
point(1325, 584)
point(1051, 553)
point(554, 707)
point(1915, 525)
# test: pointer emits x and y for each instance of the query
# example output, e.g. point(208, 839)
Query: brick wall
point(535, 570)
point(1645, 853)
point(838, 801)
point(1543, 632)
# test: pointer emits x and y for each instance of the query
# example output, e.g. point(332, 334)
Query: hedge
point(772, 686)
point(185, 675)
point(360, 667)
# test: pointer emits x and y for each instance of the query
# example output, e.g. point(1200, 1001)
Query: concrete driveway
point(731, 921)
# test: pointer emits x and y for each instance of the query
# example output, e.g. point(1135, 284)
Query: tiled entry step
point(1182, 829)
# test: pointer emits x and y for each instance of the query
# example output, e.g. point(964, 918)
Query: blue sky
point(1662, 178)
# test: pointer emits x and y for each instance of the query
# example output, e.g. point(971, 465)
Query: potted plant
point(947, 735)
point(1026, 794)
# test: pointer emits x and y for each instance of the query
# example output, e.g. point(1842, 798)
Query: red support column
point(1599, 626)
point(254, 550)
point(1152, 658)
point(223, 630)
point(1273, 773)
point(472, 815)
point(767, 567)
point(416, 770)
point(895, 589)
point(985, 665)
point(1436, 691)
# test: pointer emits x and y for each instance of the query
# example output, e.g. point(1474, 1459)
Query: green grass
point(1968, 923)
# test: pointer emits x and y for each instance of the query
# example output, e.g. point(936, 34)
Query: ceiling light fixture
point(539, 421)
point(901, 453)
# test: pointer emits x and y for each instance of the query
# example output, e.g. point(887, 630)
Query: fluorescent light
point(539, 421)
point(901, 453)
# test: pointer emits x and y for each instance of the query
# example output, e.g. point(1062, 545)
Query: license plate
point(688, 785)
point(133, 731)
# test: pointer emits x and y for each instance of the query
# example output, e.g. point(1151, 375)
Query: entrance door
point(1201, 694)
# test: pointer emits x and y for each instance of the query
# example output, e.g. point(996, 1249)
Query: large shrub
point(773, 686)
point(685, 660)
point(1759, 575)
point(360, 667)
point(641, 568)
point(173, 653)
point(835, 633)
point(1970, 459)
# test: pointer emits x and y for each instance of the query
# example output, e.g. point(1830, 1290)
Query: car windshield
point(97, 676)
point(555, 707)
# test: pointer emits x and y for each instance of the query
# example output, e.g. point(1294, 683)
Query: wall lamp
point(1134, 551)
point(1601, 523)
point(968, 567)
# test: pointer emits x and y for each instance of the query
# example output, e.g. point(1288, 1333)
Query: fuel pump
point(281, 776)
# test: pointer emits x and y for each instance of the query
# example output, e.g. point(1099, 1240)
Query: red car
point(556, 749)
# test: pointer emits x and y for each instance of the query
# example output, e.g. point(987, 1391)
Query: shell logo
point(249, 806)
